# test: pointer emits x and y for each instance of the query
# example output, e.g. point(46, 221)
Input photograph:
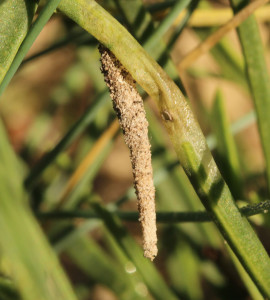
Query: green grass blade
point(258, 77)
point(93, 260)
point(157, 35)
point(152, 278)
point(8, 290)
point(231, 65)
point(226, 148)
point(69, 137)
point(235, 128)
point(184, 259)
point(34, 31)
point(185, 133)
point(253, 291)
point(178, 30)
point(34, 266)
point(77, 38)
point(83, 186)
point(14, 26)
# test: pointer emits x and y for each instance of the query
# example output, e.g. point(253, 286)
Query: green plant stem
point(258, 76)
point(185, 133)
point(34, 31)
point(162, 217)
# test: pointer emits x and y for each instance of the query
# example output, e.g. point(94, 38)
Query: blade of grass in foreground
point(258, 77)
point(101, 268)
point(185, 133)
point(14, 26)
point(33, 264)
point(72, 133)
point(34, 31)
point(152, 278)
point(226, 147)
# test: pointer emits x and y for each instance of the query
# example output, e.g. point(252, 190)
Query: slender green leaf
point(165, 24)
point(16, 17)
point(33, 264)
point(92, 259)
point(231, 64)
point(258, 77)
point(152, 278)
point(226, 148)
point(254, 293)
point(34, 31)
point(84, 121)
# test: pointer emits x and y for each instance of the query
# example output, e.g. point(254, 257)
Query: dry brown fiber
point(128, 105)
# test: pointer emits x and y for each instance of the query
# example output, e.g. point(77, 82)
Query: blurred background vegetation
point(60, 122)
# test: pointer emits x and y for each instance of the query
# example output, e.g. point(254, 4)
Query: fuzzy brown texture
point(128, 105)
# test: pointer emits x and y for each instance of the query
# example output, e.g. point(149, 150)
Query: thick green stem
point(184, 131)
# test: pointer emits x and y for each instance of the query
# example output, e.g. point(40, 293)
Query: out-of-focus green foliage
point(69, 130)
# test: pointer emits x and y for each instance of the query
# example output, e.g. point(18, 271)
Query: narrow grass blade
point(253, 291)
point(101, 268)
point(73, 132)
point(258, 77)
point(76, 38)
point(217, 16)
point(34, 31)
point(157, 35)
point(34, 266)
point(231, 64)
point(14, 26)
point(211, 40)
point(92, 157)
point(152, 278)
point(235, 128)
point(183, 259)
point(226, 148)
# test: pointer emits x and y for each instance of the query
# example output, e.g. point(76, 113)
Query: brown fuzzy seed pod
point(128, 105)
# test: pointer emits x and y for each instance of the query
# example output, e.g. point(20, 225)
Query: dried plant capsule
point(128, 105)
